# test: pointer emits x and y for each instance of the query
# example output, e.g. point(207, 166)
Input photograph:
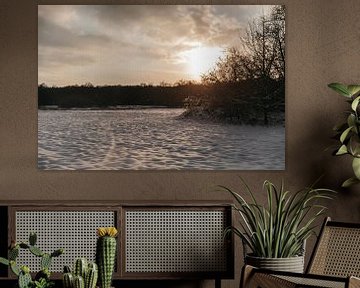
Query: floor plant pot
point(291, 264)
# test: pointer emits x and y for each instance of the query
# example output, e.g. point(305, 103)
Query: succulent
point(24, 277)
point(68, 278)
point(85, 275)
point(91, 276)
point(79, 282)
point(42, 278)
point(106, 254)
point(80, 267)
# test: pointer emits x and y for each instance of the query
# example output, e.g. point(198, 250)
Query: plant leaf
point(349, 182)
point(345, 134)
point(4, 261)
point(342, 150)
point(340, 88)
point(353, 89)
point(355, 103)
point(351, 120)
point(356, 167)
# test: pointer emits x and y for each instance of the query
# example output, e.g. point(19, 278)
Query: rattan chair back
point(337, 252)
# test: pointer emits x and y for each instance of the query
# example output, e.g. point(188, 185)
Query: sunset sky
point(133, 44)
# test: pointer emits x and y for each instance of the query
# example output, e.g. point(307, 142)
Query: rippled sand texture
point(153, 139)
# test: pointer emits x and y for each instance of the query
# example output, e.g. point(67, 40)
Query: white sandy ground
point(153, 139)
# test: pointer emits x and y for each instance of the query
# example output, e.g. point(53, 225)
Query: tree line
point(88, 96)
point(250, 78)
point(246, 85)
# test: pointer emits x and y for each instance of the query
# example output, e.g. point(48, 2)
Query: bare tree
point(261, 59)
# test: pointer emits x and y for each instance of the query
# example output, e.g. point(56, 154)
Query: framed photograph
point(159, 87)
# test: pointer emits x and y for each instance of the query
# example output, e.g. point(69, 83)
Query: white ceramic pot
point(291, 264)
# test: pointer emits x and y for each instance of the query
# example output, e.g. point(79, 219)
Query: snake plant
point(279, 228)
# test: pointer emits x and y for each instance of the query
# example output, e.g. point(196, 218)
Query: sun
point(200, 59)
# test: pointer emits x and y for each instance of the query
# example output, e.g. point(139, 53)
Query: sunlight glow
point(201, 59)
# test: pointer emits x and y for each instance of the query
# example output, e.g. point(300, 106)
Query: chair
point(335, 262)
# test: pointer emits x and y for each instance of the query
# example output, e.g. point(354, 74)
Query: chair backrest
point(337, 251)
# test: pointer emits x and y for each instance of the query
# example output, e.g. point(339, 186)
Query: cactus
point(90, 272)
point(79, 282)
point(24, 277)
point(4, 261)
point(45, 261)
point(14, 268)
point(57, 253)
point(36, 251)
point(91, 276)
point(24, 280)
point(42, 278)
point(67, 269)
point(13, 253)
point(68, 280)
point(32, 238)
point(43, 274)
point(80, 267)
point(105, 254)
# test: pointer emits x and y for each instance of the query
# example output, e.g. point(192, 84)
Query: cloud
point(125, 41)
point(52, 34)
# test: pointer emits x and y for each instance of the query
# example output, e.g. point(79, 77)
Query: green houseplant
point(84, 274)
point(275, 233)
point(348, 132)
point(42, 278)
point(106, 254)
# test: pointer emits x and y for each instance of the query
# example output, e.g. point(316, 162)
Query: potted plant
point(276, 233)
point(348, 132)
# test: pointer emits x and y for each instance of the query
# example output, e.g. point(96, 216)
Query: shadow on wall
point(333, 170)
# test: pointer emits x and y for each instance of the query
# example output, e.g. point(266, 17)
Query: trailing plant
point(84, 275)
point(348, 132)
point(106, 254)
point(42, 278)
point(279, 229)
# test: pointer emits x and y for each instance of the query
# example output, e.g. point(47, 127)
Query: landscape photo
point(161, 87)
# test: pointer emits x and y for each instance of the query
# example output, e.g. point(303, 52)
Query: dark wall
point(322, 46)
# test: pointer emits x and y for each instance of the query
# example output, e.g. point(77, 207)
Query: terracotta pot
point(291, 264)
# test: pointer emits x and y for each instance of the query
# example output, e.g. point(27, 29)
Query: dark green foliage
point(42, 278)
point(36, 251)
point(79, 282)
point(45, 261)
point(14, 268)
point(84, 274)
point(44, 273)
point(57, 252)
point(349, 132)
point(24, 280)
point(24, 246)
point(105, 258)
point(32, 239)
point(68, 280)
point(13, 253)
point(80, 268)
point(4, 261)
point(279, 228)
point(42, 283)
point(91, 276)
